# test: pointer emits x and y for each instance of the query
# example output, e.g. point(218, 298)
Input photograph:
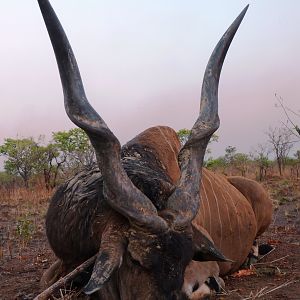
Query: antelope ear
point(204, 248)
point(208, 252)
point(106, 263)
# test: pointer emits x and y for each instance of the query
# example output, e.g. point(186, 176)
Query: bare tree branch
point(285, 110)
point(280, 139)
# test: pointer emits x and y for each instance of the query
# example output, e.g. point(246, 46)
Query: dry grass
point(24, 252)
point(26, 207)
point(36, 195)
point(258, 294)
point(267, 290)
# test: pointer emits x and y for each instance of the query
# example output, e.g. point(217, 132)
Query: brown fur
point(228, 217)
point(225, 213)
point(165, 144)
point(258, 198)
point(233, 210)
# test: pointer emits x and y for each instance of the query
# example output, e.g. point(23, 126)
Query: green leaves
point(25, 228)
point(21, 157)
point(75, 148)
point(69, 151)
point(183, 135)
point(71, 141)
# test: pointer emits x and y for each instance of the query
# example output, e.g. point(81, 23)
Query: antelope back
point(163, 142)
point(258, 198)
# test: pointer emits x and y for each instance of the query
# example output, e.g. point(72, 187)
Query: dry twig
point(264, 291)
point(63, 281)
point(271, 262)
point(265, 255)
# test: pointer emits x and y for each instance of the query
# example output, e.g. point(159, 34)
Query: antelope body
point(139, 209)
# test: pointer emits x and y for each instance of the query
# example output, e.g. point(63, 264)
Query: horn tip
point(244, 10)
point(234, 26)
point(91, 287)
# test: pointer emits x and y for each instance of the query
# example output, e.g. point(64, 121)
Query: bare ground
point(25, 253)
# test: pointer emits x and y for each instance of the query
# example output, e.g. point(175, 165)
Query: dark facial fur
point(159, 259)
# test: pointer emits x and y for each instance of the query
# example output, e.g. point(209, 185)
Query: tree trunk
point(47, 179)
point(279, 166)
point(26, 183)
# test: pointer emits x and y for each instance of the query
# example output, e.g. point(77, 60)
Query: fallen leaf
point(242, 273)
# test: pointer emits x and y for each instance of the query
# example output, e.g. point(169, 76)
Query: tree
point(236, 161)
point(75, 148)
point(49, 164)
point(281, 141)
point(222, 162)
point(240, 162)
point(26, 157)
point(21, 157)
point(230, 151)
point(261, 157)
point(216, 164)
point(297, 156)
point(183, 135)
point(295, 164)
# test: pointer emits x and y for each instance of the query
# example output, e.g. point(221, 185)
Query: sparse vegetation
point(25, 228)
point(36, 161)
point(22, 211)
point(23, 244)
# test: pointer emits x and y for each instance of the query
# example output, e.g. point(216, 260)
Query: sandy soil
point(25, 253)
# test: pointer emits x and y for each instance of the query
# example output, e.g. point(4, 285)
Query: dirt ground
point(25, 253)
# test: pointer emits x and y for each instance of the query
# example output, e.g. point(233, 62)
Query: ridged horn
point(185, 200)
point(120, 192)
point(110, 255)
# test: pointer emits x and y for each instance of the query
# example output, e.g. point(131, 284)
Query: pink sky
point(142, 63)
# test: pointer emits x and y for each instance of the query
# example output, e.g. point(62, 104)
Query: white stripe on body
point(167, 140)
point(215, 196)
point(225, 200)
point(236, 211)
point(209, 211)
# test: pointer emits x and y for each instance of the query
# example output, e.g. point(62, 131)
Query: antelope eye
point(135, 262)
point(196, 287)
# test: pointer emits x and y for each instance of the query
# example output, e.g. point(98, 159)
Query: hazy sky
point(142, 63)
